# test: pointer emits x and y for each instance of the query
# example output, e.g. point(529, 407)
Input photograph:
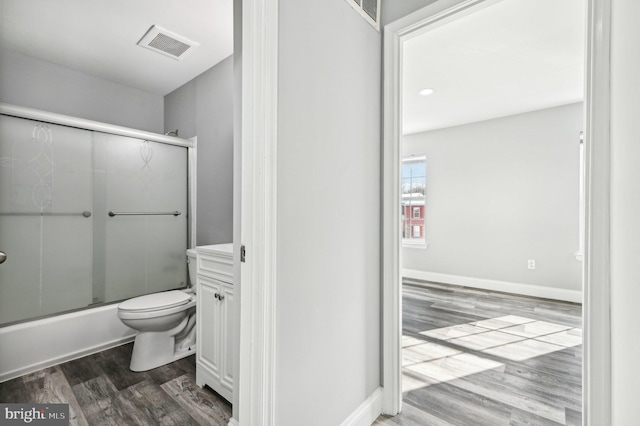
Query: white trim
point(391, 225)
point(581, 204)
point(411, 158)
point(233, 422)
point(192, 154)
point(564, 294)
point(81, 123)
point(259, 215)
point(394, 35)
point(596, 293)
point(367, 412)
point(422, 245)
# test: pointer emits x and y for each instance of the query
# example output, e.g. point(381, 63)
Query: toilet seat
point(156, 305)
point(155, 301)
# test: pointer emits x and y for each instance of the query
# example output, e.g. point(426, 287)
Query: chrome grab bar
point(174, 213)
point(84, 213)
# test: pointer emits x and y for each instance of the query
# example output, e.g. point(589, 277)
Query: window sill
point(421, 245)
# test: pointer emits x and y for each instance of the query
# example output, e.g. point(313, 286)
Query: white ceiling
point(511, 57)
point(99, 37)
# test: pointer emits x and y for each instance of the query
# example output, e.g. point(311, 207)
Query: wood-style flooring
point(101, 390)
point(470, 358)
point(473, 358)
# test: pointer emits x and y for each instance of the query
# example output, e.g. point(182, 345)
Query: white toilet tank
point(192, 264)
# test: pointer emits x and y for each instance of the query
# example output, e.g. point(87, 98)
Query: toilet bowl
point(165, 323)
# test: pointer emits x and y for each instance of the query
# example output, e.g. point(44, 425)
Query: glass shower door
point(64, 250)
point(46, 218)
point(141, 247)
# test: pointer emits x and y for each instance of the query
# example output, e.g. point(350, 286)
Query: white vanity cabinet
point(214, 358)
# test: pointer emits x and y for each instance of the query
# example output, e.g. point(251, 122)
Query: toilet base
point(152, 349)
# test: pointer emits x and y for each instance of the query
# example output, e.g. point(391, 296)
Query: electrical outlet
point(531, 264)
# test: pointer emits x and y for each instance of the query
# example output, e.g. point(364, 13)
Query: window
point(414, 175)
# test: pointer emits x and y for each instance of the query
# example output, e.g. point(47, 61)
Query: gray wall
point(204, 108)
point(500, 192)
point(38, 84)
point(328, 296)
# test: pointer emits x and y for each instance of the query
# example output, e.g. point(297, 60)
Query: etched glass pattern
point(64, 251)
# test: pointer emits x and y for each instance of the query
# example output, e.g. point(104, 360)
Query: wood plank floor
point(101, 390)
point(473, 357)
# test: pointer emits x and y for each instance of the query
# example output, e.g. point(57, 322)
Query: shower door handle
point(3, 256)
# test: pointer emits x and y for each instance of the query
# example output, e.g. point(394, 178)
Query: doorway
point(397, 34)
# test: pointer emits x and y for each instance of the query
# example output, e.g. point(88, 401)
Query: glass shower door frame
point(59, 119)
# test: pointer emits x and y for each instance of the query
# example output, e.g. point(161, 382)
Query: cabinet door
point(208, 325)
point(226, 321)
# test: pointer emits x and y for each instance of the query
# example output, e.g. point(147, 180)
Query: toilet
point(165, 323)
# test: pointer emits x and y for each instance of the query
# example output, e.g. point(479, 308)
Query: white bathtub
point(33, 345)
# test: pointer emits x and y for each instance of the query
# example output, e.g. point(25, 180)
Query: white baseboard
point(233, 422)
point(367, 412)
point(503, 286)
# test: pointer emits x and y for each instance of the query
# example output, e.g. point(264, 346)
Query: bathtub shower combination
point(90, 214)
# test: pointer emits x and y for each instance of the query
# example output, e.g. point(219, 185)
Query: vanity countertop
point(219, 249)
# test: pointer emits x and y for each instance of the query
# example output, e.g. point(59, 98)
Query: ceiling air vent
point(369, 9)
point(167, 43)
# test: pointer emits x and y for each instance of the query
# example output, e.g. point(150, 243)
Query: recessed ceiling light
point(426, 92)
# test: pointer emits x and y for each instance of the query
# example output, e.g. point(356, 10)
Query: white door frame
point(258, 215)
point(596, 296)
point(192, 155)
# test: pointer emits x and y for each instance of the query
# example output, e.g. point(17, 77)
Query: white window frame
point(412, 242)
